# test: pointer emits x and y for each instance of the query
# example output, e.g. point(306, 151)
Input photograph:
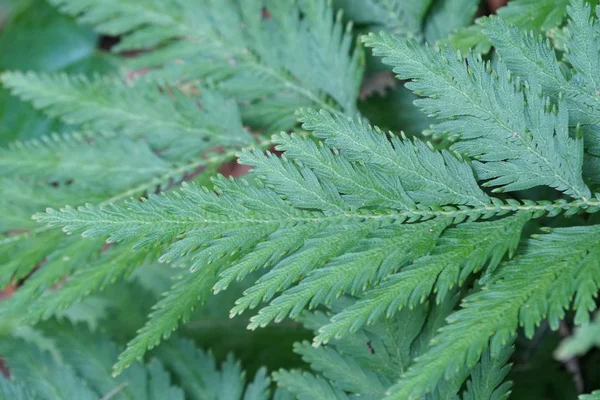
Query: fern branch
point(56, 159)
point(181, 125)
point(489, 113)
point(538, 285)
point(534, 60)
point(459, 252)
point(308, 58)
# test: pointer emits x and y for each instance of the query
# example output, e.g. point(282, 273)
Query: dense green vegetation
point(222, 165)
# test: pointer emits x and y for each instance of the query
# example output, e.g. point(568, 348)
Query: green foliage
point(181, 123)
point(592, 396)
point(297, 56)
point(418, 264)
point(78, 367)
point(402, 17)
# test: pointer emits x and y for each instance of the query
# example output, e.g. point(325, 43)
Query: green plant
point(412, 261)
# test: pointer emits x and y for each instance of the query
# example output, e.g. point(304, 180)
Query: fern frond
point(518, 139)
point(539, 284)
point(12, 391)
point(418, 166)
point(178, 304)
point(343, 371)
point(533, 59)
point(298, 56)
point(31, 248)
point(487, 378)
point(395, 16)
point(41, 374)
point(95, 275)
point(20, 199)
point(90, 355)
point(78, 367)
point(282, 216)
point(366, 364)
point(60, 261)
point(180, 125)
point(459, 252)
point(78, 159)
point(363, 264)
point(205, 380)
point(306, 386)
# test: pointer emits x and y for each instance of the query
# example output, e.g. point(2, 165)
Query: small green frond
point(307, 386)
point(32, 248)
point(179, 124)
point(395, 16)
point(487, 378)
point(458, 253)
point(533, 59)
point(341, 370)
point(416, 164)
point(20, 199)
point(362, 264)
point(300, 55)
point(177, 304)
point(537, 285)
point(11, 391)
point(85, 162)
point(61, 261)
point(582, 44)
point(205, 380)
point(517, 137)
point(95, 276)
point(42, 375)
point(79, 368)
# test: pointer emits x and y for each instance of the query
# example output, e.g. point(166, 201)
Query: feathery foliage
point(419, 265)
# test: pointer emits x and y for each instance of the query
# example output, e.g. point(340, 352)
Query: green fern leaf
point(299, 56)
point(487, 378)
point(459, 252)
point(538, 285)
point(535, 61)
point(395, 16)
point(41, 374)
point(307, 386)
point(519, 122)
point(179, 127)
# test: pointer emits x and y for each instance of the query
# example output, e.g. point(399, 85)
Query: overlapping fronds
point(367, 363)
point(272, 56)
point(517, 137)
point(558, 270)
point(301, 218)
point(380, 235)
point(75, 364)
